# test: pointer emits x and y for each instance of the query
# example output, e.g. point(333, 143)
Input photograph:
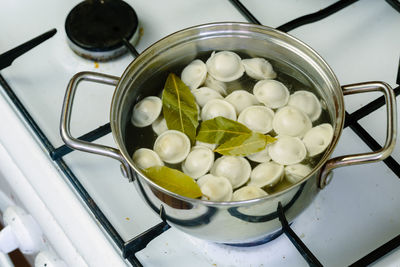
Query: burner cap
point(96, 28)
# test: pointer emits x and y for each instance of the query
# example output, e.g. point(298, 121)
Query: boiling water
point(294, 80)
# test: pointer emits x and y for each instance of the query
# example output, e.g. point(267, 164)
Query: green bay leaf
point(174, 181)
point(270, 139)
point(244, 145)
point(220, 130)
point(179, 107)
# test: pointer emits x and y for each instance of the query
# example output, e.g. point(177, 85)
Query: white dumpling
point(296, 172)
point(248, 192)
point(261, 156)
point(215, 188)
point(257, 118)
point(218, 86)
point(266, 174)
point(225, 66)
point(218, 107)
point(146, 111)
point(259, 68)
point(306, 102)
point(318, 138)
point(208, 145)
point(159, 125)
point(172, 146)
point(145, 158)
point(205, 94)
point(194, 74)
point(291, 121)
point(271, 93)
point(241, 99)
point(287, 150)
point(198, 162)
point(236, 169)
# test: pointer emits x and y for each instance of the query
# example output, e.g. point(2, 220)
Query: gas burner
point(97, 29)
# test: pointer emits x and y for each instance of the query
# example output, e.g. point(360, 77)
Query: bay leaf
point(220, 129)
point(179, 107)
point(244, 145)
point(174, 181)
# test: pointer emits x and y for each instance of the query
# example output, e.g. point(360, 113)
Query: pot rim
point(339, 123)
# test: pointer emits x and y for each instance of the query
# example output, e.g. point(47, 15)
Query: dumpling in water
point(272, 93)
point(259, 68)
point(205, 94)
point(306, 102)
point(146, 111)
point(208, 145)
point(198, 162)
point(215, 188)
point(291, 121)
point(172, 146)
point(145, 158)
point(261, 156)
point(287, 150)
point(159, 125)
point(248, 192)
point(218, 107)
point(218, 86)
point(318, 139)
point(266, 174)
point(296, 172)
point(194, 74)
point(236, 169)
point(241, 99)
point(225, 66)
point(257, 118)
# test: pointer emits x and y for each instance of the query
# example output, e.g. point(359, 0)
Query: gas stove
point(90, 215)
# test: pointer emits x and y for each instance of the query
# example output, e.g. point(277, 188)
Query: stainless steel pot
point(227, 222)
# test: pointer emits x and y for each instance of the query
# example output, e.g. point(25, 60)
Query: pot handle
point(66, 116)
point(391, 131)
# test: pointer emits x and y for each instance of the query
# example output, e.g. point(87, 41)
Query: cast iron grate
point(130, 247)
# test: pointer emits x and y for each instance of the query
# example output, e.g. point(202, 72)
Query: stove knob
point(20, 231)
point(48, 259)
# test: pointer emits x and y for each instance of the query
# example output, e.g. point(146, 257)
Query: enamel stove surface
point(356, 213)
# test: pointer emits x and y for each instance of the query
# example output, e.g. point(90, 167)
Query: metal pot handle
point(391, 131)
point(66, 116)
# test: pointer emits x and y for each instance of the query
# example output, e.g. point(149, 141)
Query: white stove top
point(354, 215)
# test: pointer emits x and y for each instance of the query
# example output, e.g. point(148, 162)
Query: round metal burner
point(96, 28)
